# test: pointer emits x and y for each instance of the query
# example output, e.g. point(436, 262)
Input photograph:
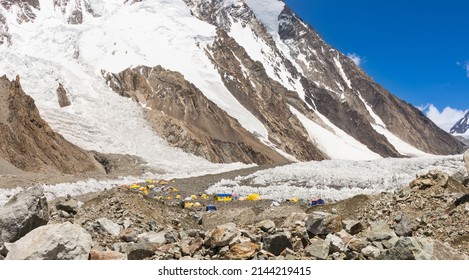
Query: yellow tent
point(193, 197)
point(253, 197)
point(178, 196)
point(134, 186)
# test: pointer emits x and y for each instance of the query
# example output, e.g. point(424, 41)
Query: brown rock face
point(182, 115)
point(267, 99)
point(27, 140)
point(79, 7)
point(62, 96)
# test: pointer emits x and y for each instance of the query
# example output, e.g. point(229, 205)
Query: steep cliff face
point(182, 115)
point(29, 143)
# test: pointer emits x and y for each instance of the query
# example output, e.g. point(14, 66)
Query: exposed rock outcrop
point(182, 115)
point(62, 96)
point(75, 10)
point(29, 143)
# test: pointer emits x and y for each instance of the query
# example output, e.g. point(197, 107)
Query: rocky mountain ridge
point(274, 90)
point(29, 143)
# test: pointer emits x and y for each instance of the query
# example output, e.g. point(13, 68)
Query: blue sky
point(418, 49)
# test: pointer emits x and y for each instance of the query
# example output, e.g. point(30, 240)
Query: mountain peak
point(462, 126)
point(249, 64)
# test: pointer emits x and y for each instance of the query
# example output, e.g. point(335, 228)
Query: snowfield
point(335, 180)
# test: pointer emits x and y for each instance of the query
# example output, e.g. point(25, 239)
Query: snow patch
point(342, 72)
point(338, 145)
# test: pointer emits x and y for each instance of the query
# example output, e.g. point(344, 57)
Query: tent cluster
point(157, 189)
point(165, 190)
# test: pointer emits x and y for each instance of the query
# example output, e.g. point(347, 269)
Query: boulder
point(319, 249)
point(379, 231)
point(5, 248)
point(24, 212)
point(276, 243)
point(320, 223)
point(357, 244)
point(353, 227)
point(242, 251)
point(434, 178)
point(295, 219)
point(189, 248)
point(70, 206)
point(404, 227)
point(336, 244)
point(104, 225)
point(106, 255)
point(153, 237)
point(371, 252)
point(461, 200)
point(416, 248)
point(266, 225)
point(53, 242)
point(129, 235)
point(136, 251)
point(222, 235)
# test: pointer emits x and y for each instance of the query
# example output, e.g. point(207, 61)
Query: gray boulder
point(353, 227)
point(266, 225)
point(405, 227)
point(320, 223)
point(222, 235)
point(136, 251)
point(379, 231)
point(276, 243)
point(53, 242)
point(153, 237)
point(104, 225)
point(336, 244)
point(319, 249)
point(70, 206)
point(371, 252)
point(416, 248)
point(24, 212)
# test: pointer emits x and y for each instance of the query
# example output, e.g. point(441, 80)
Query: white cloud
point(466, 66)
point(445, 119)
point(355, 58)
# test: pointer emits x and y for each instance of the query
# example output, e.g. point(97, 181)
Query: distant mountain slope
point(227, 80)
point(29, 143)
point(461, 127)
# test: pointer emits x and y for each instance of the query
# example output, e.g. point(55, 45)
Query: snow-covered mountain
point(224, 80)
point(461, 127)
